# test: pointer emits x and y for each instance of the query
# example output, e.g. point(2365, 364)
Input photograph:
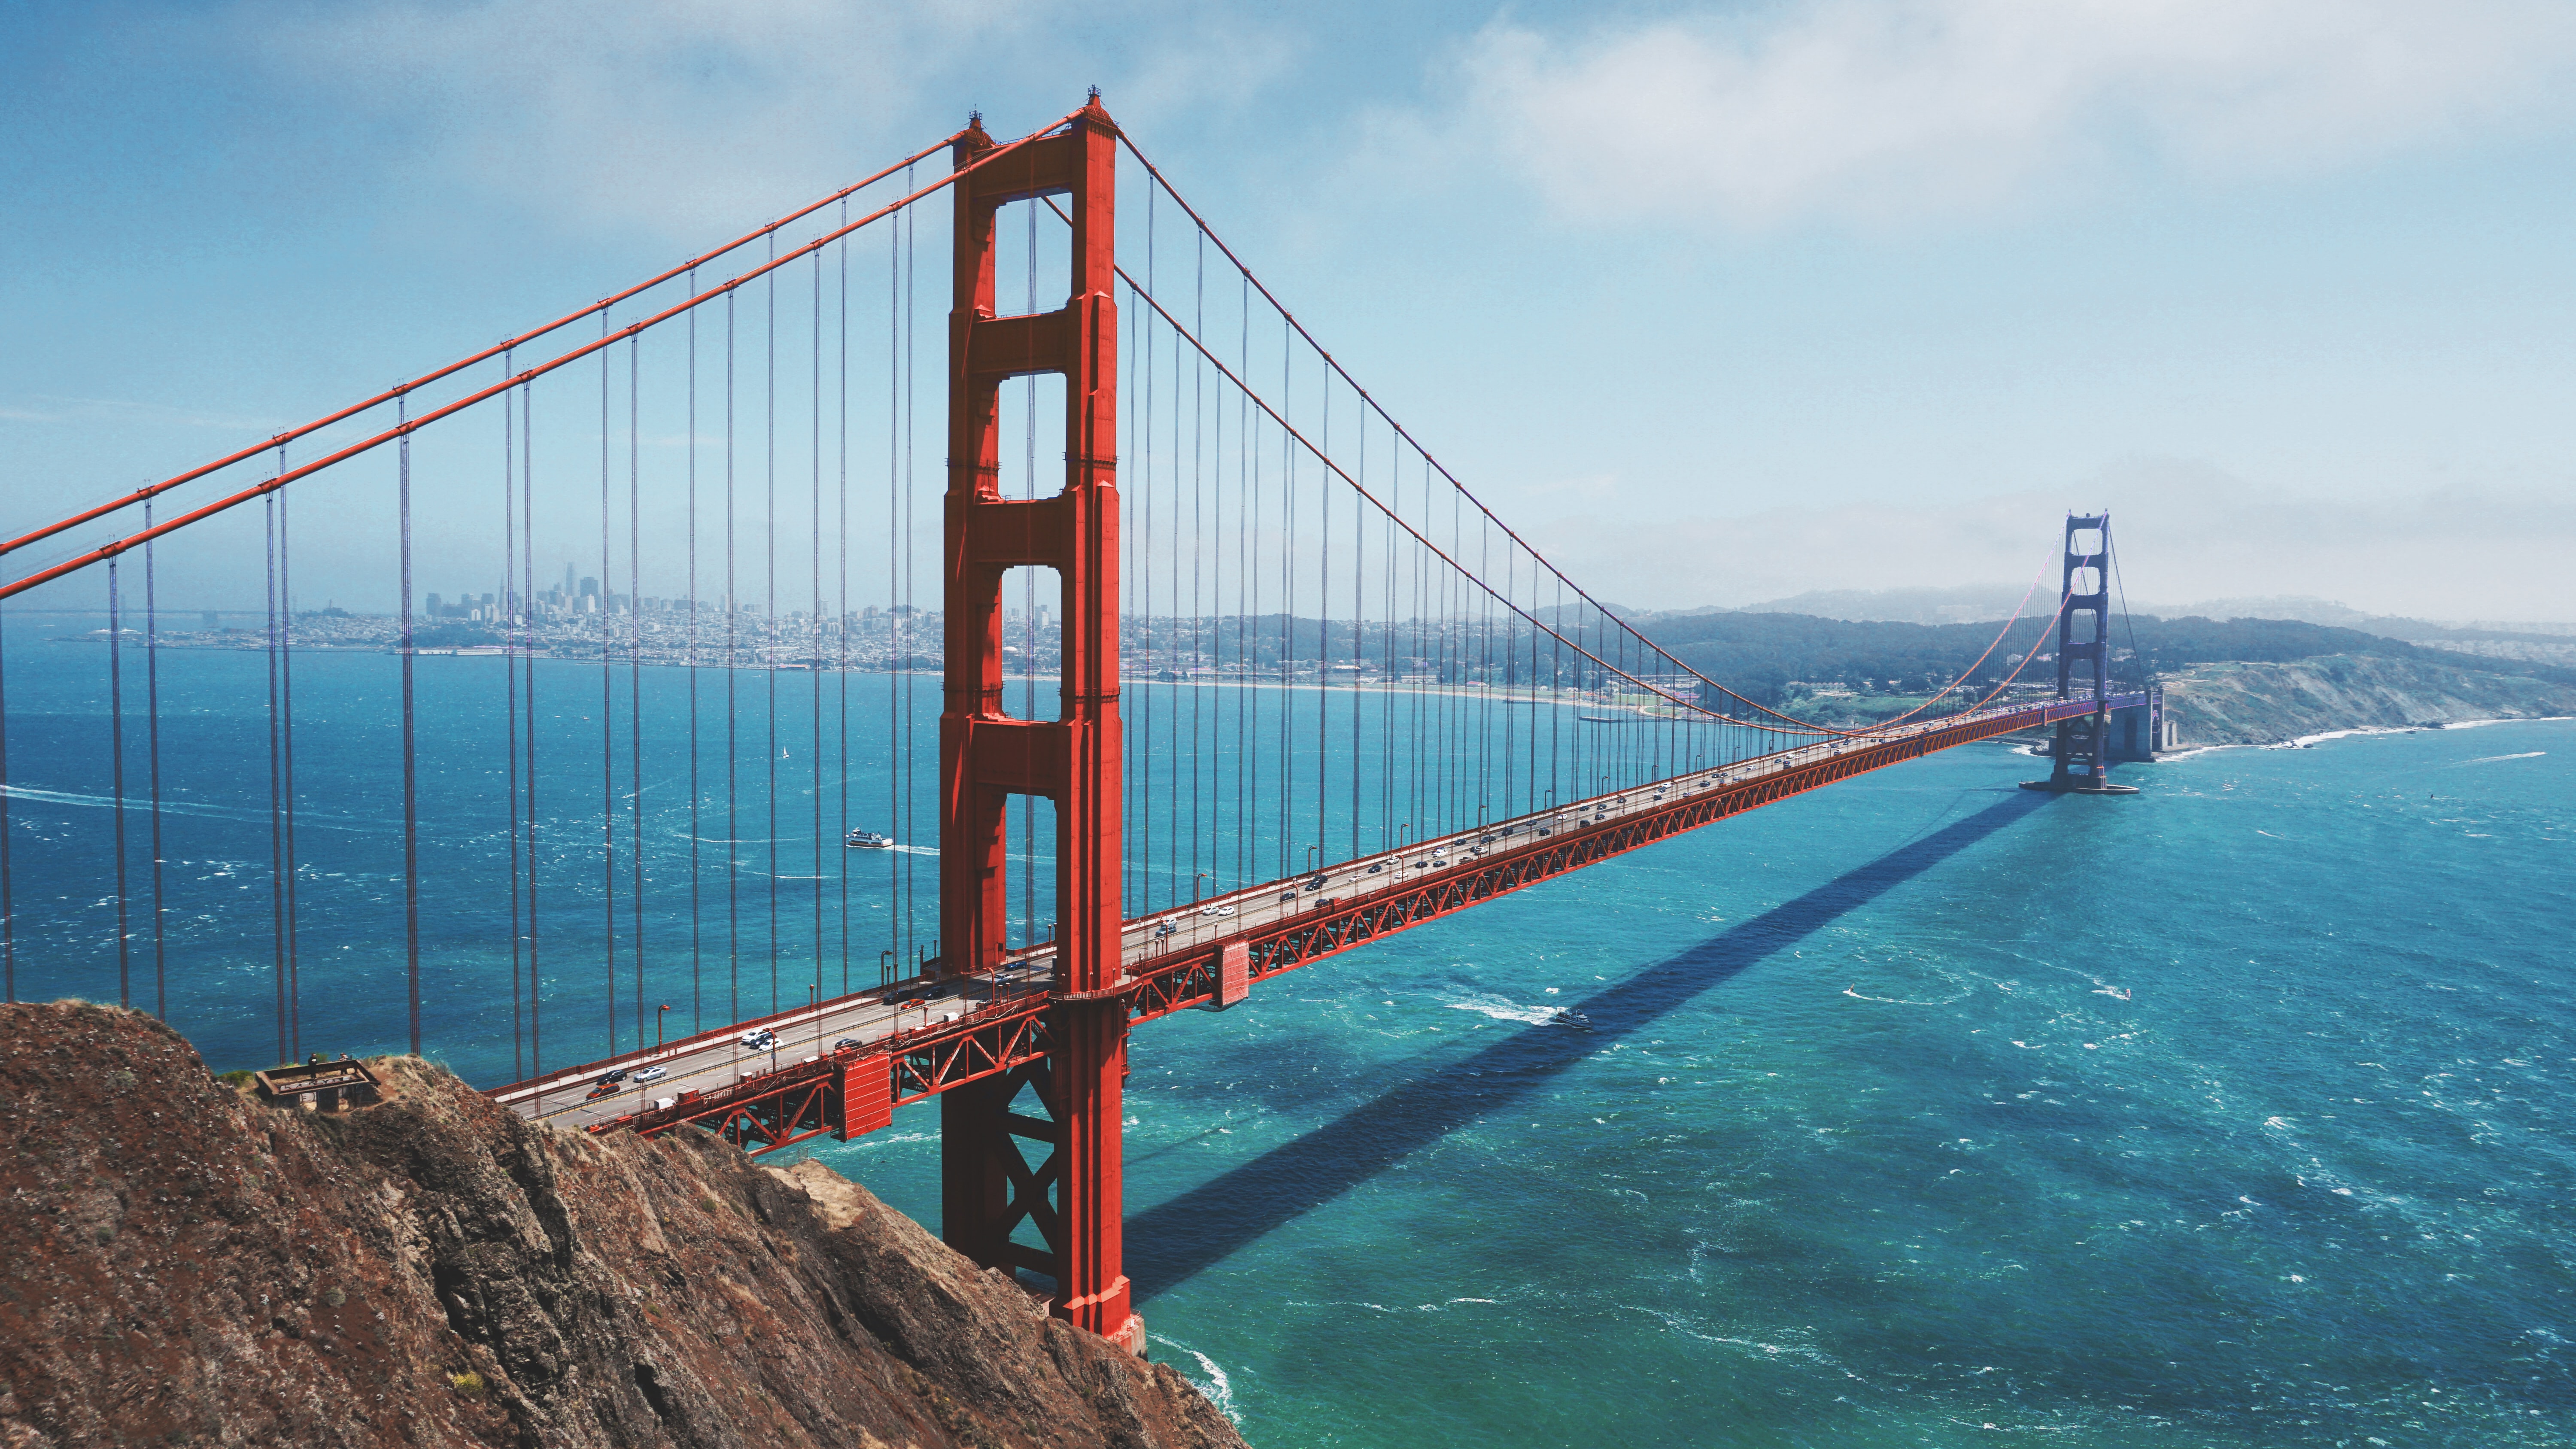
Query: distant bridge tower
point(1071, 1200)
point(2080, 756)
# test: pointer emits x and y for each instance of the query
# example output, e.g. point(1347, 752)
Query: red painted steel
point(1232, 979)
point(985, 757)
point(866, 1084)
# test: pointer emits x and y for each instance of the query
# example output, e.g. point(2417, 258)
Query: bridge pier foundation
point(1090, 1061)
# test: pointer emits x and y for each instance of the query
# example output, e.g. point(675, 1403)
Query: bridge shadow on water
point(1168, 1244)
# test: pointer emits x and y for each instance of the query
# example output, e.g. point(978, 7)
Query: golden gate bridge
point(1308, 689)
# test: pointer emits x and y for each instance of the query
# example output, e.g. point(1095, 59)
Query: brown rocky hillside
point(188, 1265)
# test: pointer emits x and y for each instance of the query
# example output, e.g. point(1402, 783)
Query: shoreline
point(1511, 694)
point(2304, 742)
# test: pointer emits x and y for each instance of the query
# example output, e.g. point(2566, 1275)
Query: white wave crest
point(1218, 1389)
point(1502, 1008)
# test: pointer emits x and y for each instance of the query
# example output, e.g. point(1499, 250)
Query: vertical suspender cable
point(898, 659)
point(1323, 617)
point(607, 714)
point(116, 775)
point(733, 670)
point(1129, 876)
point(843, 613)
point(635, 674)
point(1183, 532)
point(697, 998)
point(1386, 653)
point(528, 702)
point(276, 778)
point(1485, 669)
point(1028, 617)
point(411, 794)
point(1288, 617)
point(286, 733)
point(1415, 601)
point(1132, 662)
point(1252, 637)
point(514, 613)
point(1143, 432)
point(1198, 551)
point(1511, 672)
point(769, 631)
point(1428, 633)
point(1359, 611)
point(8, 873)
point(1172, 528)
point(814, 661)
point(152, 749)
point(911, 416)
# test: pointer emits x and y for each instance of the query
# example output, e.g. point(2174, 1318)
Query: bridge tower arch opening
point(989, 1190)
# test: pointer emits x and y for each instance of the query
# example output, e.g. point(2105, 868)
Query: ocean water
point(1920, 1111)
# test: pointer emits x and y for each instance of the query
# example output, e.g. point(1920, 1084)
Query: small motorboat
point(867, 840)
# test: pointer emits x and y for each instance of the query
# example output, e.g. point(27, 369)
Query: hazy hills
point(1769, 656)
point(1995, 602)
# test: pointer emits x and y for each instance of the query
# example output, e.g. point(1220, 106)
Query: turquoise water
point(1921, 1111)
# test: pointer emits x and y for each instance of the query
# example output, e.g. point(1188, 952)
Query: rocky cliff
point(186, 1264)
point(2260, 704)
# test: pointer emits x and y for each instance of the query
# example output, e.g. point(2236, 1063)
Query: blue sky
point(1723, 302)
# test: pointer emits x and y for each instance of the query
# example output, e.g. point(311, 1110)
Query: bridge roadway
point(1163, 948)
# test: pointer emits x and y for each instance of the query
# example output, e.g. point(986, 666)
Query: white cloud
point(1879, 110)
point(677, 115)
point(687, 117)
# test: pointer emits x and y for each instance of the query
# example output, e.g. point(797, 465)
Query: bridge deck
point(939, 1032)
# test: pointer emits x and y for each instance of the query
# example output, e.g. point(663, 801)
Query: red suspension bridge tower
point(988, 1189)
